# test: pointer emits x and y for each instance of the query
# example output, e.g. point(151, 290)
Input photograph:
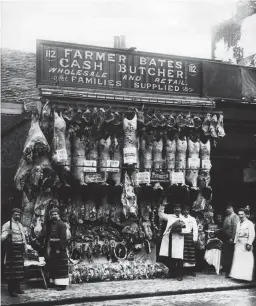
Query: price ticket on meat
point(90, 166)
point(194, 163)
point(130, 155)
point(143, 177)
point(62, 155)
point(177, 178)
point(113, 166)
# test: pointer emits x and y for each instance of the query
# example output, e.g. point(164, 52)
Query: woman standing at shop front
point(243, 261)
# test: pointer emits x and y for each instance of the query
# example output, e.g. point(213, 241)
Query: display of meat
point(130, 139)
point(213, 125)
point(36, 143)
point(117, 155)
point(205, 151)
point(92, 152)
point(220, 128)
point(45, 122)
point(181, 151)
point(42, 202)
point(27, 211)
point(104, 210)
point(59, 141)
point(193, 156)
point(68, 139)
point(206, 125)
point(170, 149)
point(22, 174)
point(128, 198)
point(157, 154)
point(90, 210)
point(146, 149)
point(104, 154)
point(79, 158)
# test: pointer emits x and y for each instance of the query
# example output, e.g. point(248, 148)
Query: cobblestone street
point(104, 291)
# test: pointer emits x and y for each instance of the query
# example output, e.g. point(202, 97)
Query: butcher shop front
point(118, 132)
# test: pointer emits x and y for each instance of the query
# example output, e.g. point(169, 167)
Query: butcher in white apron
point(243, 261)
point(174, 248)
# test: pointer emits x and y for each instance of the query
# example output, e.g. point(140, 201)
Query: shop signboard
point(82, 66)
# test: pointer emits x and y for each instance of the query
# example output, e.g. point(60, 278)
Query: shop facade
point(119, 131)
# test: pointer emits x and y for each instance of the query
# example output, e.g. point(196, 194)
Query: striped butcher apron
point(14, 262)
point(58, 263)
point(189, 257)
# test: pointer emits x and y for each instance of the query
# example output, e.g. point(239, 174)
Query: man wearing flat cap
point(56, 238)
point(13, 235)
point(172, 245)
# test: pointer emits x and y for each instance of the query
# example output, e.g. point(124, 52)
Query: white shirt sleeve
point(5, 231)
point(195, 230)
point(161, 213)
point(251, 233)
point(237, 230)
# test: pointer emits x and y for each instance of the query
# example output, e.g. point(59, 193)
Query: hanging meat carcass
point(68, 139)
point(213, 125)
point(170, 149)
point(193, 161)
point(117, 155)
point(36, 143)
point(205, 151)
point(130, 140)
point(104, 149)
point(46, 122)
point(146, 149)
point(128, 198)
point(59, 142)
point(157, 152)
point(220, 127)
point(79, 158)
point(206, 125)
point(181, 151)
point(36, 147)
point(27, 211)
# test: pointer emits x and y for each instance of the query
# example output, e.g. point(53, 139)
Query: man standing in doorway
point(229, 230)
point(172, 245)
point(13, 236)
point(56, 238)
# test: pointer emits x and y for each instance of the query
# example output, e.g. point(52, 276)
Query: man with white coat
point(172, 245)
point(243, 261)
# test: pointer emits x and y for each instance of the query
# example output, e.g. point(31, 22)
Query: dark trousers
point(228, 253)
point(175, 267)
point(13, 286)
point(200, 263)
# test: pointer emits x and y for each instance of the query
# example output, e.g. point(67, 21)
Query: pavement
point(123, 290)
